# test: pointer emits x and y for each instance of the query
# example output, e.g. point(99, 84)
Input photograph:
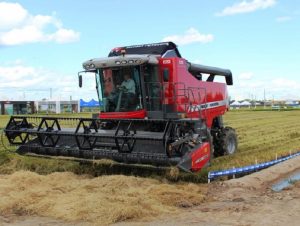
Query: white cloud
point(197, 61)
point(247, 85)
point(64, 36)
point(246, 7)
point(11, 14)
point(283, 18)
point(192, 35)
point(18, 80)
point(18, 27)
point(245, 76)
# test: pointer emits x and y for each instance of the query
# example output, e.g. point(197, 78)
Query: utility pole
point(71, 110)
point(264, 98)
point(50, 93)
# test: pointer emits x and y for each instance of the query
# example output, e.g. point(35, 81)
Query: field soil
point(246, 201)
point(67, 199)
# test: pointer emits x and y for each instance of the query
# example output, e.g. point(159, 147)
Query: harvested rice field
point(102, 200)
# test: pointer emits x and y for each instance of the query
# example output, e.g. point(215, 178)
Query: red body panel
point(140, 114)
point(211, 97)
point(200, 157)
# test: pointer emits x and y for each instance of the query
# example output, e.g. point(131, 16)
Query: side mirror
point(166, 75)
point(229, 80)
point(80, 80)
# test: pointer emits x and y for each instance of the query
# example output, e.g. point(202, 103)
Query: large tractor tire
point(225, 142)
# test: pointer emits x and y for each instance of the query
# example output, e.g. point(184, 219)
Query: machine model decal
point(208, 105)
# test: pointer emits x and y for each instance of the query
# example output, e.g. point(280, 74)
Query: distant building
point(268, 103)
point(292, 103)
point(57, 106)
point(258, 103)
point(16, 107)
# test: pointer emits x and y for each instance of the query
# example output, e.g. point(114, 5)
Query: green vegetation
point(262, 135)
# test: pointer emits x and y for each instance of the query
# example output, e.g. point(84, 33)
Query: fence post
point(233, 176)
point(256, 164)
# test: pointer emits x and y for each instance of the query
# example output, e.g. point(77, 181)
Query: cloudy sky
point(43, 43)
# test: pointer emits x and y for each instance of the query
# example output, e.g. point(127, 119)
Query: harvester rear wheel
point(225, 142)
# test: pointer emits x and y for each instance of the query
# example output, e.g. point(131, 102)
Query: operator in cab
point(128, 85)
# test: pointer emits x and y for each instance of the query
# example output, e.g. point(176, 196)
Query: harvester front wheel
point(225, 142)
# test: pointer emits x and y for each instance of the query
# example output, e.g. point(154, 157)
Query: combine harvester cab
point(158, 110)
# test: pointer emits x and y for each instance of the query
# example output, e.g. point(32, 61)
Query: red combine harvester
point(157, 109)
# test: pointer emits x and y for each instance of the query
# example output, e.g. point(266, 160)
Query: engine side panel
point(196, 98)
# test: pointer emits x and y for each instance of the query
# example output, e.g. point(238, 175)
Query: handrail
point(187, 93)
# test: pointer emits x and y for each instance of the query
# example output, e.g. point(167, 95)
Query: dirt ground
point(244, 201)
